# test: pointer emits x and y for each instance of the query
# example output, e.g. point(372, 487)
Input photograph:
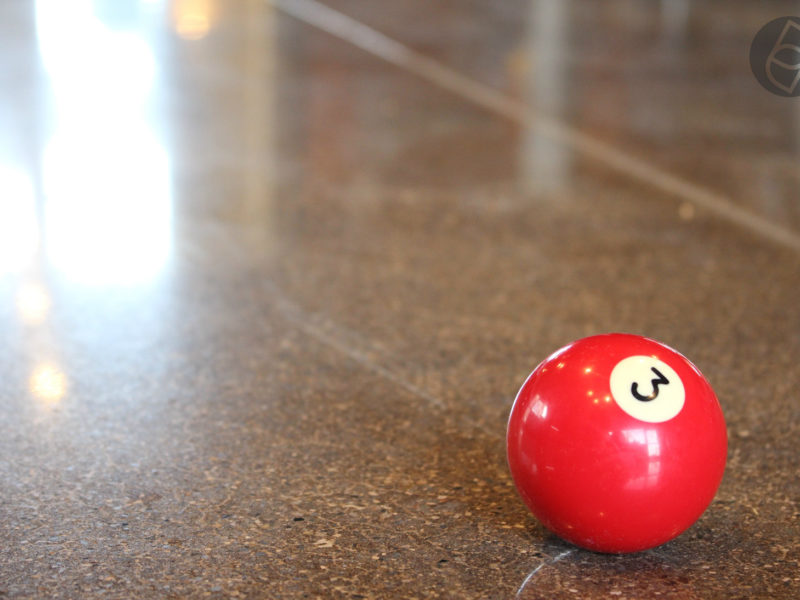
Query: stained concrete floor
point(271, 274)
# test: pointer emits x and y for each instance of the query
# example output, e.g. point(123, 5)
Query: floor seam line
point(295, 315)
point(376, 368)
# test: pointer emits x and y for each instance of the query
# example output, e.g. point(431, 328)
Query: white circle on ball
point(647, 388)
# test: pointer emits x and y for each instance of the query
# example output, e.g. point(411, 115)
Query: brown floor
point(272, 273)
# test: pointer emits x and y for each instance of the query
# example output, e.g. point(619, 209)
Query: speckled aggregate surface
point(294, 381)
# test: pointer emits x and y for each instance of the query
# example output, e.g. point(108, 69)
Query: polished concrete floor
point(271, 274)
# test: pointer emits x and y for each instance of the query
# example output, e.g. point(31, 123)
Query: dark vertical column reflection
point(545, 164)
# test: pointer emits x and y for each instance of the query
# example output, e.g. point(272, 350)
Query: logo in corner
point(775, 56)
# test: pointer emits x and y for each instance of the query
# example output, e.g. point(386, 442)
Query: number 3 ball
point(616, 443)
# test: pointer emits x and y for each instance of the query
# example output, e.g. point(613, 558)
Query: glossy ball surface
point(616, 443)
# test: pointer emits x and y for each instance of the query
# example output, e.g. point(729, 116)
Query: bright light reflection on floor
point(107, 212)
point(96, 73)
point(19, 231)
point(192, 18)
point(33, 303)
point(106, 178)
point(48, 383)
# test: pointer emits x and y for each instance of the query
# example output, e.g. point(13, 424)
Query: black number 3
point(660, 380)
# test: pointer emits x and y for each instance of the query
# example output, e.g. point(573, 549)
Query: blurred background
point(271, 273)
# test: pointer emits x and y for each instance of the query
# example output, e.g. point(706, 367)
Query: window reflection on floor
point(107, 211)
point(19, 231)
point(105, 175)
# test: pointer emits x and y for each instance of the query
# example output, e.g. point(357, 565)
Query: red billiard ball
point(616, 443)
